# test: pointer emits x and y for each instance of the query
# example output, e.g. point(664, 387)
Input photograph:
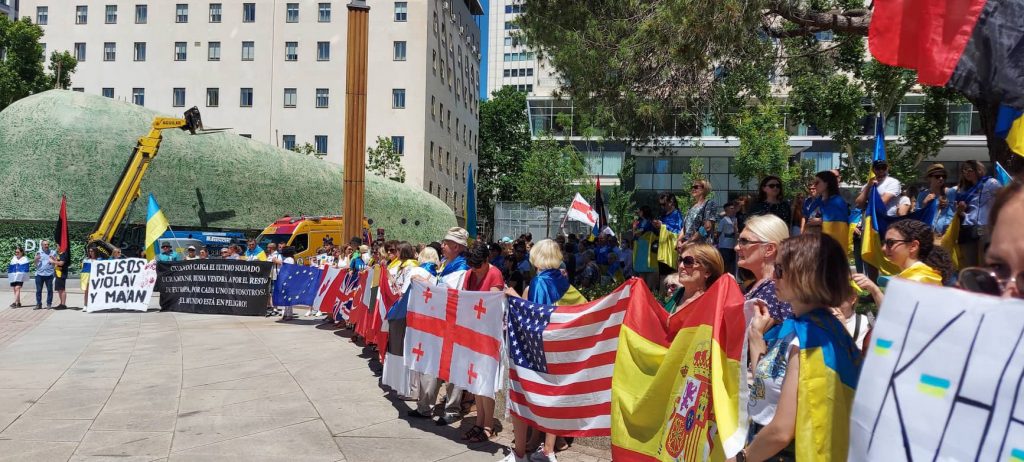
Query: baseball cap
point(879, 163)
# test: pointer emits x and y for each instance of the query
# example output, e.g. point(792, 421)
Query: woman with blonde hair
point(699, 222)
point(757, 250)
point(700, 265)
point(549, 287)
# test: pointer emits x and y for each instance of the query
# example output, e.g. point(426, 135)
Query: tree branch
point(850, 22)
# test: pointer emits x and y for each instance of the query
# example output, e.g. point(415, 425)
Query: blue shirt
point(173, 256)
point(943, 216)
point(44, 267)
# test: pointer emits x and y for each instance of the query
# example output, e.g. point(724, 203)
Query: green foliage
point(552, 174)
point(598, 290)
point(383, 160)
point(504, 144)
point(764, 147)
point(62, 65)
point(621, 203)
point(22, 73)
point(696, 173)
point(13, 234)
point(309, 150)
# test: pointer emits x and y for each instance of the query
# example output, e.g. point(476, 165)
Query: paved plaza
point(153, 386)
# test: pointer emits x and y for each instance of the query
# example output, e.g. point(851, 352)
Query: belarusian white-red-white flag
point(456, 336)
point(581, 211)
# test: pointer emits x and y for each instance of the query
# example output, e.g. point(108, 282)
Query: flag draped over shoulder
point(156, 224)
point(835, 220)
point(668, 234)
point(973, 46)
point(679, 389)
point(296, 285)
point(562, 356)
point(61, 238)
point(829, 368)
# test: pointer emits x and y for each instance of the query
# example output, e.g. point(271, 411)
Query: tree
point(621, 203)
point(671, 67)
point(551, 175)
point(62, 65)
point(21, 71)
point(308, 149)
point(385, 161)
point(504, 144)
point(764, 148)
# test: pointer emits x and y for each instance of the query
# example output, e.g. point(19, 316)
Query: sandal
point(482, 436)
point(473, 433)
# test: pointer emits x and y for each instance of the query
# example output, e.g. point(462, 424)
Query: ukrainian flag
point(949, 240)
point(1002, 175)
point(644, 261)
point(835, 216)
point(156, 224)
point(671, 228)
point(678, 386)
point(1010, 125)
point(829, 368)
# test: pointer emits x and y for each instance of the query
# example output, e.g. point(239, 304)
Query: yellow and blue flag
point(835, 217)
point(156, 224)
point(1002, 176)
point(671, 228)
point(1010, 125)
point(829, 368)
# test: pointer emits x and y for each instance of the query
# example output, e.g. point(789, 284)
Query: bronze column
point(354, 165)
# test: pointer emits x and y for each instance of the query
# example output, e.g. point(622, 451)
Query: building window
point(108, 92)
point(180, 51)
point(246, 135)
point(433, 61)
point(81, 14)
point(320, 141)
point(325, 12)
point(111, 17)
point(140, 51)
point(291, 12)
point(213, 51)
point(248, 12)
point(322, 97)
point(245, 97)
point(178, 98)
point(212, 97)
point(181, 13)
point(511, 25)
point(433, 113)
point(78, 89)
point(290, 97)
point(42, 15)
point(141, 14)
point(288, 142)
point(431, 163)
point(401, 11)
point(323, 51)
point(80, 52)
point(398, 98)
point(248, 51)
point(291, 51)
point(400, 47)
point(398, 144)
point(139, 96)
point(109, 51)
point(216, 12)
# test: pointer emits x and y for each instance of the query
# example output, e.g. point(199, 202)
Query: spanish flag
point(973, 46)
point(156, 224)
point(835, 217)
point(679, 385)
point(829, 368)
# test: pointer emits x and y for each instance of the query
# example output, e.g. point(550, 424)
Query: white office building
point(510, 61)
point(275, 71)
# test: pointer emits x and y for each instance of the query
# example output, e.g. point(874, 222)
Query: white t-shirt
point(892, 186)
point(768, 378)
point(859, 333)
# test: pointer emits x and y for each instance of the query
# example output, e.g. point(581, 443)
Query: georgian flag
point(456, 336)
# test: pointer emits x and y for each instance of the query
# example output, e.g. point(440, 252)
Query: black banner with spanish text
point(214, 286)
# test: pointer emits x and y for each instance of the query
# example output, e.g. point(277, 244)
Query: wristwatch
point(742, 455)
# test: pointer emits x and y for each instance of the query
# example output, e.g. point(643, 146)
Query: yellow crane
point(127, 189)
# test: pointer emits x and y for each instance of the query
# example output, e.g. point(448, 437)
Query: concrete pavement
point(174, 386)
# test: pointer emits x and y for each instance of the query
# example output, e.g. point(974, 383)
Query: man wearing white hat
point(453, 270)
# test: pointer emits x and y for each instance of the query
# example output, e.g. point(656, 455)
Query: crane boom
point(128, 185)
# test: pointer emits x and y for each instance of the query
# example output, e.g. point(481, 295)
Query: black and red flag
point(973, 46)
point(602, 215)
point(60, 235)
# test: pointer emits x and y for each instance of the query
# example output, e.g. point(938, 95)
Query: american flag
point(562, 361)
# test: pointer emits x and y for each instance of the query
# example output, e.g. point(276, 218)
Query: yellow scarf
point(921, 272)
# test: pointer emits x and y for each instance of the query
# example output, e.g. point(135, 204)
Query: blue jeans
point(48, 280)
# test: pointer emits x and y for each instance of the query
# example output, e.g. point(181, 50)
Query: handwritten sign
point(125, 284)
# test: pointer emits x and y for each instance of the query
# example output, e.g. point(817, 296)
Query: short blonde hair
point(429, 255)
point(768, 227)
point(546, 254)
point(706, 184)
point(709, 258)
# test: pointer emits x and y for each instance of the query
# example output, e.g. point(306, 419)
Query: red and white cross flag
point(456, 336)
point(581, 211)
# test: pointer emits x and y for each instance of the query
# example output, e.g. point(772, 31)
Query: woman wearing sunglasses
point(1003, 273)
point(770, 200)
point(700, 265)
point(975, 197)
point(699, 222)
point(757, 250)
point(809, 355)
point(910, 244)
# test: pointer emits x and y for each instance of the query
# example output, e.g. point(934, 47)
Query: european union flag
point(296, 285)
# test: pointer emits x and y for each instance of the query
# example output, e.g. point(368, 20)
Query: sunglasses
point(697, 186)
point(986, 281)
point(940, 177)
point(773, 186)
point(777, 271)
point(745, 242)
point(690, 262)
point(890, 243)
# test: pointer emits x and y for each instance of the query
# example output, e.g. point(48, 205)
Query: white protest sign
point(942, 378)
point(125, 284)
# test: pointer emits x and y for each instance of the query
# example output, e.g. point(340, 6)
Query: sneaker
point(417, 414)
point(511, 457)
point(38, 307)
point(541, 456)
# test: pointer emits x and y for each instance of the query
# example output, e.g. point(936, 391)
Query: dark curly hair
point(934, 256)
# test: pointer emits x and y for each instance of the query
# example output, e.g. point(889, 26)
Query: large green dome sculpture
point(63, 142)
